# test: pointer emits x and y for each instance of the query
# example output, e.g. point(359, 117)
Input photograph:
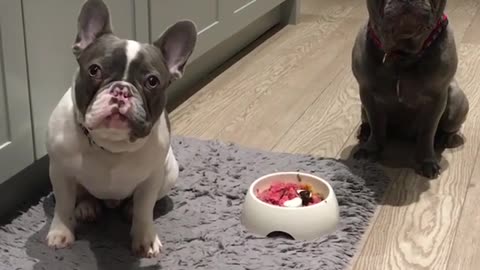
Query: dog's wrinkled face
point(404, 25)
point(120, 85)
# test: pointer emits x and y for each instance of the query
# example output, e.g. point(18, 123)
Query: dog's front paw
point(429, 169)
point(146, 244)
point(88, 210)
point(60, 237)
point(371, 150)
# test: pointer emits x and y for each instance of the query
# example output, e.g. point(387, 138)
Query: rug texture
point(198, 222)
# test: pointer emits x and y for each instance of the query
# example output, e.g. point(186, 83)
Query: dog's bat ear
point(177, 44)
point(93, 22)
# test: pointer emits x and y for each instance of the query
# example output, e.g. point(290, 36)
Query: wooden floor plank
point(472, 33)
point(328, 122)
point(260, 125)
point(242, 89)
point(461, 16)
point(466, 248)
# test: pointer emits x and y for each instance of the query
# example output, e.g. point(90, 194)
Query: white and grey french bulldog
point(405, 60)
point(109, 136)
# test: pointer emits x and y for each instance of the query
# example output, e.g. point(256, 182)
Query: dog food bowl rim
point(304, 208)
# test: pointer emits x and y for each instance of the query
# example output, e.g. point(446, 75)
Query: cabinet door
point(217, 20)
point(240, 13)
point(50, 28)
point(206, 14)
point(16, 144)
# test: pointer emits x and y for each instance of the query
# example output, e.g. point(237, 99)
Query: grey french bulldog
point(109, 135)
point(405, 60)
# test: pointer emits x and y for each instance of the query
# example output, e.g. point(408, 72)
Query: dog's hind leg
point(171, 174)
point(88, 208)
point(453, 118)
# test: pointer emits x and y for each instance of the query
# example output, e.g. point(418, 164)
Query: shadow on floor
point(398, 161)
point(103, 245)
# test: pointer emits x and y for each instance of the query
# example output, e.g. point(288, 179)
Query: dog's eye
point(152, 82)
point(95, 71)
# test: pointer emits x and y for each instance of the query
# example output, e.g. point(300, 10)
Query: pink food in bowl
point(289, 195)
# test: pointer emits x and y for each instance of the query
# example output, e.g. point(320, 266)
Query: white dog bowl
point(302, 223)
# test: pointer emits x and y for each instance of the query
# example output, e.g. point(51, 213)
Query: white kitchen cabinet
point(16, 146)
point(240, 13)
point(207, 15)
point(216, 20)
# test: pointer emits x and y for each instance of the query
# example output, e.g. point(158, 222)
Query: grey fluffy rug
point(199, 222)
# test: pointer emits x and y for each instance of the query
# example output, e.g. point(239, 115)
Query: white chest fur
point(112, 177)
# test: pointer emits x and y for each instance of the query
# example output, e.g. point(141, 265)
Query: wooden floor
point(295, 93)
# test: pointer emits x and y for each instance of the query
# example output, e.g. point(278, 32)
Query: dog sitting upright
point(405, 60)
point(109, 136)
